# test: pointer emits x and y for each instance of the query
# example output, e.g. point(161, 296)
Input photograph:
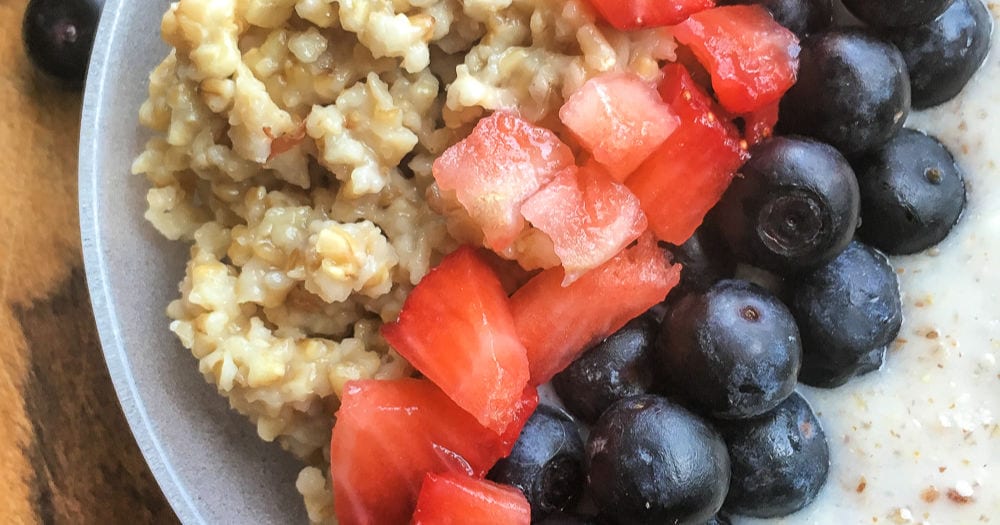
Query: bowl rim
point(91, 158)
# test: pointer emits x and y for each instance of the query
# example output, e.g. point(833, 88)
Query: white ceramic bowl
point(207, 459)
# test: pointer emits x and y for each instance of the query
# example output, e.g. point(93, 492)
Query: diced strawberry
point(389, 434)
point(558, 323)
point(588, 216)
point(753, 59)
point(619, 119)
point(688, 174)
point(640, 14)
point(456, 329)
point(494, 170)
point(450, 499)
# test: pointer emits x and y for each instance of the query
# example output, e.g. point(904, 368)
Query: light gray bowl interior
point(208, 460)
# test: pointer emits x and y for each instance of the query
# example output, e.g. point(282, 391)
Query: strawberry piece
point(640, 14)
point(688, 174)
point(558, 323)
point(753, 59)
point(456, 329)
point(619, 119)
point(389, 434)
point(450, 499)
point(588, 216)
point(494, 170)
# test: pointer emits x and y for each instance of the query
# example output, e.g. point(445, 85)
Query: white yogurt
point(919, 441)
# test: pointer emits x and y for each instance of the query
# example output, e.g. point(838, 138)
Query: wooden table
point(66, 452)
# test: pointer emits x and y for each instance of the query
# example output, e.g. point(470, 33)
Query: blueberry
point(802, 17)
point(650, 461)
point(912, 193)
point(58, 35)
point(780, 460)
point(546, 463)
point(718, 519)
point(620, 366)
point(896, 13)
point(846, 310)
point(853, 91)
point(794, 208)
point(942, 55)
point(733, 350)
point(705, 259)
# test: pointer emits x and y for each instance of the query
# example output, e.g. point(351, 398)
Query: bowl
point(207, 459)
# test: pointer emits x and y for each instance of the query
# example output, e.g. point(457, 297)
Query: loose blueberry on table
point(58, 36)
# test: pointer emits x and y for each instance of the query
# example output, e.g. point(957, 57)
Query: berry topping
point(912, 193)
point(652, 462)
point(780, 460)
point(546, 462)
point(618, 367)
point(846, 310)
point(733, 350)
point(795, 207)
point(853, 91)
point(943, 54)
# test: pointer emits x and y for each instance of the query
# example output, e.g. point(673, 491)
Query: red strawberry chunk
point(389, 434)
point(619, 119)
point(456, 329)
point(588, 216)
point(452, 499)
point(558, 323)
point(494, 170)
point(688, 174)
point(753, 60)
point(640, 14)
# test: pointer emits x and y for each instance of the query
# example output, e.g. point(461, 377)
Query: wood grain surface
point(66, 453)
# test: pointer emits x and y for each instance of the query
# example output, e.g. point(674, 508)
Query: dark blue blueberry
point(912, 193)
point(942, 55)
point(58, 35)
point(896, 13)
point(620, 366)
point(546, 463)
point(650, 461)
point(705, 259)
point(847, 312)
point(780, 460)
point(732, 351)
point(794, 208)
point(802, 17)
point(853, 91)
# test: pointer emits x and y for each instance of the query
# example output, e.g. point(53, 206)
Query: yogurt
point(919, 441)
